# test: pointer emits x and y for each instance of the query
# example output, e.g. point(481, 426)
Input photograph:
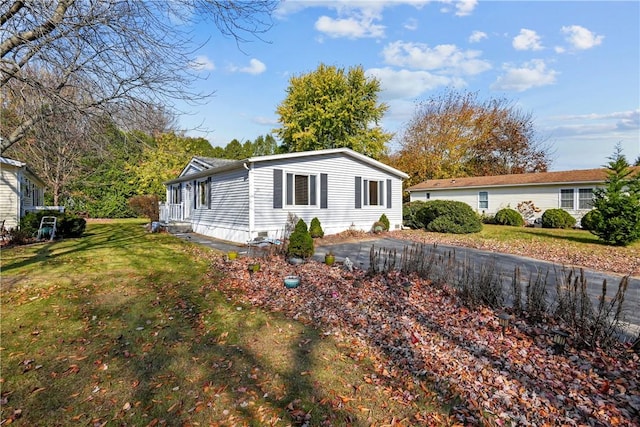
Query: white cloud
point(527, 40)
point(202, 63)
point(477, 36)
point(581, 38)
point(353, 27)
point(411, 24)
point(619, 120)
point(255, 67)
point(396, 84)
point(465, 7)
point(261, 120)
point(446, 57)
point(531, 74)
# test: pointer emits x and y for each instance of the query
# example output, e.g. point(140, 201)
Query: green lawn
point(119, 328)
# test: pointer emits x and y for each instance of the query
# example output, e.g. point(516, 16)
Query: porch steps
point(178, 227)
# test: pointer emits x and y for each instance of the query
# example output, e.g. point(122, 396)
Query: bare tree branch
point(108, 53)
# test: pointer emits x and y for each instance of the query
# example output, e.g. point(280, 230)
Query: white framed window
point(202, 197)
point(483, 200)
point(301, 189)
point(585, 198)
point(566, 198)
point(373, 192)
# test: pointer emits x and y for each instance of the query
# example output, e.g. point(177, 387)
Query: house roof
point(236, 164)
point(584, 176)
point(212, 162)
point(21, 165)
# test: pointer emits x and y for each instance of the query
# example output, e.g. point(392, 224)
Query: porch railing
point(171, 212)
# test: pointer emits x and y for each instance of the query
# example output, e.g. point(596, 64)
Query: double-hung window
point(203, 194)
point(483, 200)
point(373, 195)
point(566, 198)
point(585, 198)
point(301, 189)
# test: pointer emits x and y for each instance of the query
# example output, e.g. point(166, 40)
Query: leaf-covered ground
point(427, 335)
point(571, 250)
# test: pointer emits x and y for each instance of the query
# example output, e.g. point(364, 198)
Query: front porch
point(172, 216)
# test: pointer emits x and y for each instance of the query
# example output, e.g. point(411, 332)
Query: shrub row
point(67, 225)
point(448, 216)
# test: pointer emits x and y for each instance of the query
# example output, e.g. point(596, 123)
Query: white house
point(20, 191)
point(240, 200)
point(568, 190)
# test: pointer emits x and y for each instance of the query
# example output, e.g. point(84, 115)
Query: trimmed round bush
point(508, 216)
point(410, 215)
point(590, 220)
point(557, 218)
point(448, 216)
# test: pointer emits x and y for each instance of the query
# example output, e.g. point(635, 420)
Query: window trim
point(366, 192)
point(567, 191)
point(582, 200)
point(290, 189)
point(482, 200)
point(202, 194)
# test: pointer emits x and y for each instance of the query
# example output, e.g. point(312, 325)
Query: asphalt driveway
point(504, 264)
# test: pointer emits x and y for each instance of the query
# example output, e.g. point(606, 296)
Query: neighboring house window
point(566, 198)
point(203, 194)
point(585, 198)
point(483, 200)
point(427, 196)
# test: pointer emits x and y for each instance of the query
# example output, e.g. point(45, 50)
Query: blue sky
point(575, 66)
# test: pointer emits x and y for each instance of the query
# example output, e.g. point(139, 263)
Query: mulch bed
point(510, 379)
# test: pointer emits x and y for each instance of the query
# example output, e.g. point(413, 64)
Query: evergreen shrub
point(557, 218)
point(508, 216)
point(410, 215)
point(590, 220)
point(449, 216)
point(300, 241)
point(67, 225)
point(315, 229)
point(385, 221)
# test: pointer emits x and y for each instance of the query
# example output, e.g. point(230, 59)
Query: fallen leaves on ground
point(510, 379)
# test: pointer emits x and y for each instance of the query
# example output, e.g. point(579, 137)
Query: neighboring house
point(568, 190)
point(20, 191)
point(240, 200)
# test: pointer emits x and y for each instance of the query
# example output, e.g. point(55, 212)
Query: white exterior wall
point(543, 196)
point(9, 196)
point(228, 217)
point(340, 213)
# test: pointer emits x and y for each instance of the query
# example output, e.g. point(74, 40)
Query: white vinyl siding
point(335, 194)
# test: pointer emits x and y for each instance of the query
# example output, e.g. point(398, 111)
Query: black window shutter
point(380, 193)
point(209, 193)
point(323, 191)
point(388, 194)
point(358, 192)
point(312, 190)
point(277, 189)
point(289, 189)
